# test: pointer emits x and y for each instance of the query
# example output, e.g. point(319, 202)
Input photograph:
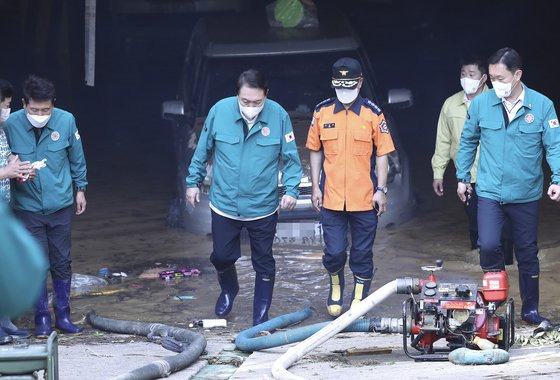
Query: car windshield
point(297, 82)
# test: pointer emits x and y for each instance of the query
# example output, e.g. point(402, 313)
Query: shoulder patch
point(324, 103)
point(372, 106)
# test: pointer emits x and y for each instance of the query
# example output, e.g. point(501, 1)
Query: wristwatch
point(554, 183)
point(81, 189)
point(463, 180)
point(381, 188)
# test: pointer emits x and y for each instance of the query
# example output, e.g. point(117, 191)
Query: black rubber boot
point(227, 279)
point(336, 290)
point(62, 307)
point(264, 286)
point(529, 289)
point(361, 290)
point(43, 323)
point(5, 338)
point(7, 325)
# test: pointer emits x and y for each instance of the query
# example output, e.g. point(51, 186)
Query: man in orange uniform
point(345, 133)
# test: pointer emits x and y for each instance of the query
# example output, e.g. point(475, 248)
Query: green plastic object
point(20, 362)
point(289, 13)
point(466, 356)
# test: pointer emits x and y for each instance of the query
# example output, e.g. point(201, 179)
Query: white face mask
point(347, 95)
point(503, 90)
point(38, 121)
point(4, 114)
point(470, 86)
point(250, 112)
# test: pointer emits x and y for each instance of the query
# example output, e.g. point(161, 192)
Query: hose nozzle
point(407, 285)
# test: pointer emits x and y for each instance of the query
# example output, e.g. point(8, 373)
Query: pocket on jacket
point(529, 139)
point(363, 143)
point(329, 139)
point(56, 154)
point(25, 152)
point(228, 139)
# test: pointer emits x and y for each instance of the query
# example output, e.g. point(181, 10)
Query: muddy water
point(123, 229)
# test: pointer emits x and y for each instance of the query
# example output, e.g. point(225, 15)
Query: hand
point(437, 184)
point(16, 168)
point(554, 192)
point(288, 203)
point(380, 202)
point(316, 199)
point(464, 191)
point(193, 196)
point(80, 202)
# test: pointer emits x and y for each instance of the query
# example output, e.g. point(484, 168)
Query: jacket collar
point(355, 107)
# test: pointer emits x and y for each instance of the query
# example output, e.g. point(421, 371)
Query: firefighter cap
point(346, 72)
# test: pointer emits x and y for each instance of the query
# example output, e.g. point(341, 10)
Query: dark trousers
point(226, 237)
point(470, 209)
point(54, 234)
point(363, 225)
point(524, 221)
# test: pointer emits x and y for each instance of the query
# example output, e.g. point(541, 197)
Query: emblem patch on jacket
point(529, 118)
point(383, 126)
point(553, 123)
point(328, 125)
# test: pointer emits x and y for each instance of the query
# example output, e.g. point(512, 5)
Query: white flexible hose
point(281, 365)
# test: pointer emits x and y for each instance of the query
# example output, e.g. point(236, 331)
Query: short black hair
point(6, 90)
point(37, 88)
point(474, 60)
point(252, 78)
point(507, 56)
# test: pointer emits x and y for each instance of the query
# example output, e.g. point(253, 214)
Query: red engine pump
point(457, 312)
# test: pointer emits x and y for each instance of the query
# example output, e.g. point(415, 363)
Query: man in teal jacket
point(244, 137)
point(42, 132)
point(515, 126)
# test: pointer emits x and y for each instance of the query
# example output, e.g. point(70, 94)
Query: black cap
point(345, 73)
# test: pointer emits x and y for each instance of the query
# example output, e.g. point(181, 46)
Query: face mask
point(346, 95)
point(503, 90)
point(470, 86)
point(4, 114)
point(38, 121)
point(250, 112)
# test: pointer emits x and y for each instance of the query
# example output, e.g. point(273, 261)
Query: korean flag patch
point(289, 137)
point(553, 123)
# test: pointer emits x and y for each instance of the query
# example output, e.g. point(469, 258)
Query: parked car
point(297, 64)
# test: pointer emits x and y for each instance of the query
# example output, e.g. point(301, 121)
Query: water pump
point(462, 313)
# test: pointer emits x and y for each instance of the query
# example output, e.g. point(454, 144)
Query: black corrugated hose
point(189, 344)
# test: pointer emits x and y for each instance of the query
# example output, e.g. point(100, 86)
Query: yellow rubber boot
point(334, 302)
point(361, 290)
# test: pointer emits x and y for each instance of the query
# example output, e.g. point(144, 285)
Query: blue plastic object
point(466, 356)
point(246, 340)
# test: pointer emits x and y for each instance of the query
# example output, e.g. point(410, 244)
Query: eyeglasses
point(346, 83)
